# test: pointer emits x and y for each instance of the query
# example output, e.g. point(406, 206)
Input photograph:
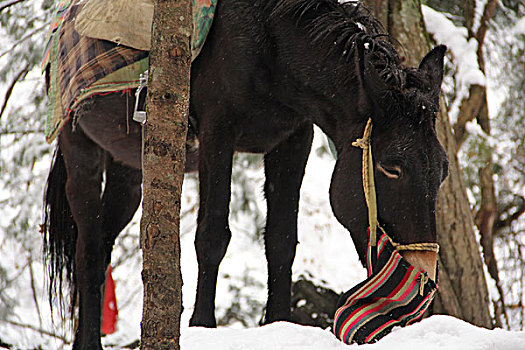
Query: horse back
point(235, 79)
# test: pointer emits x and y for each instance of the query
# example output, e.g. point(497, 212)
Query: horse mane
point(338, 27)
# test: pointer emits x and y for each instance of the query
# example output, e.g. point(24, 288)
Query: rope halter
point(372, 308)
point(370, 195)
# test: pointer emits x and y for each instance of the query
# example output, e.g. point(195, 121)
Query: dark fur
point(60, 246)
point(268, 71)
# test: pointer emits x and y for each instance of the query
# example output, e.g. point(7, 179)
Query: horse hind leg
point(192, 146)
point(84, 165)
point(284, 170)
point(213, 233)
point(120, 200)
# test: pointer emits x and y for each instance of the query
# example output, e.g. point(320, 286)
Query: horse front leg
point(213, 232)
point(284, 169)
point(84, 165)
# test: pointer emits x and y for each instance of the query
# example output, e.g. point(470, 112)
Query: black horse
point(269, 70)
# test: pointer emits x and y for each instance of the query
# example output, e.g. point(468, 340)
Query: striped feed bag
point(394, 294)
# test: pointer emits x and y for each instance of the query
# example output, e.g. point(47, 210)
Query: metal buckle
point(140, 116)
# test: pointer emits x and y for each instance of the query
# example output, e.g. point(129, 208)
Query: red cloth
point(109, 309)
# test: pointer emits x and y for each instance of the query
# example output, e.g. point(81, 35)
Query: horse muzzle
point(424, 260)
point(397, 292)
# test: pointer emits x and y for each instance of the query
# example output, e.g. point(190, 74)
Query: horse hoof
point(196, 321)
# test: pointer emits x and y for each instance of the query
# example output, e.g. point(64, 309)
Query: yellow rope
point(368, 179)
point(370, 195)
point(433, 247)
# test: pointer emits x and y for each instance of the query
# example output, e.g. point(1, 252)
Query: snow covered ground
point(435, 333)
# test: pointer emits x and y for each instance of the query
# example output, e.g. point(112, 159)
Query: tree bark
point(466, 297)
point(163, 172)
point(463, 289)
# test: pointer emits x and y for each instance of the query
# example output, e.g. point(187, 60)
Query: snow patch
point(519, 27)
point(463, 49)
point(435, 333)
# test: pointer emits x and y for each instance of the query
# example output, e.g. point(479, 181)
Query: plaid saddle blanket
point(78, 67)
point(394, 294)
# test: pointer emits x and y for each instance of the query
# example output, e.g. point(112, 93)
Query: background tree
point(22, 153)
point(488, 141)
point(163, 160)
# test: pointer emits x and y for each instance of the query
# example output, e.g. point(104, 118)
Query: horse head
point(409, 162)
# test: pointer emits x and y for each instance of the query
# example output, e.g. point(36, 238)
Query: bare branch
point(9, 91)
point(469, 14)
point(484, 220)
point(39, 330)
point(470, 108)
point(503, 223)
point(21, 132)
point(33, 288)
point(9, 4)
point(488, 12)
point(475, 106)
point(29, 35)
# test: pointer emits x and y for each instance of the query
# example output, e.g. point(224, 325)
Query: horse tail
point(60, 235)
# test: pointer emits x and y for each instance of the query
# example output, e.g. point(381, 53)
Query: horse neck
point(312, 80)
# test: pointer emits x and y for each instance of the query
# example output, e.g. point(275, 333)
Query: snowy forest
point(484, 96)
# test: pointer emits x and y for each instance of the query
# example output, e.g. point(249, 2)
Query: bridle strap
point(368, 180)
point(370, 195)
point(433, 247)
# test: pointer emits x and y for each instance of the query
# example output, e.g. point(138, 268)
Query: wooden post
point(163, 172)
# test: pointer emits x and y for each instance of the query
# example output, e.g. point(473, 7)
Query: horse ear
point(372, 89)
point(432, 66)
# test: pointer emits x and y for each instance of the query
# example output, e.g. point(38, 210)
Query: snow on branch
point(464, 50)
point(519, 27)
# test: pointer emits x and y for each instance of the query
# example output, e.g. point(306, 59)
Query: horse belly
point(261, 135)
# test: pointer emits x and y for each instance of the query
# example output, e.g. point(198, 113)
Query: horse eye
point(392, 172)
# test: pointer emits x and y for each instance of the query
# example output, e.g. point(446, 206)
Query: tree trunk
point(163, 172)
point(463, 289)
point(462, 286)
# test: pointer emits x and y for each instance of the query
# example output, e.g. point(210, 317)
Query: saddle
point(125, 22)
point(128, 22)
point(99, 47)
